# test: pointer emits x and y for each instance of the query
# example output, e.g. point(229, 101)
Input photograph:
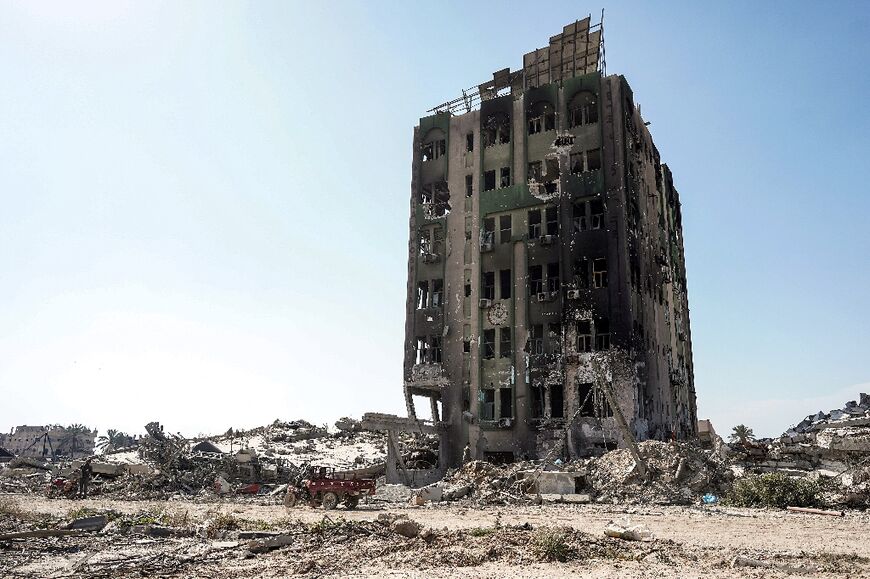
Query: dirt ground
point(467, 540)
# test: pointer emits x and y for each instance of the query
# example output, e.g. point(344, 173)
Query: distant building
point(49, 442)
point(546, 241)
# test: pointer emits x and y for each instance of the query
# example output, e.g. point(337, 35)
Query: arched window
point(583, 109)
point(541, 117)
point(496, 129)
point(434, 145)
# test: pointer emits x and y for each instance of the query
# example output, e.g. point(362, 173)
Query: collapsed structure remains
point(546, 255)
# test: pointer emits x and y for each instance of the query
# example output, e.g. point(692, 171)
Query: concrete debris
point(678, 473)
point(625, 530)
point(405, 527)
point(832, 448)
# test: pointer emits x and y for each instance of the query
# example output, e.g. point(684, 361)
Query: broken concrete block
point(431, 493)
point(406, 528)
point(222, 486)
point(154, 530)
point(89, 523)
point(265, 545)
point(625, 530)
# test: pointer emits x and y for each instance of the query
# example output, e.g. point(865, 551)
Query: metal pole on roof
point(603, 57)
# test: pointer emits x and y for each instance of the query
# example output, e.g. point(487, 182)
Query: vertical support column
point(521, 333)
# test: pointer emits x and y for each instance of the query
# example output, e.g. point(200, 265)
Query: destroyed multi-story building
point(50, 442)
point(546, 255)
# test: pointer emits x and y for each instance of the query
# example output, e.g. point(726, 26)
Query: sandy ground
point(688, 542)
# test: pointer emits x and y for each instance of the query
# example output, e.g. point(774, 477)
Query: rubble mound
point(676, 474)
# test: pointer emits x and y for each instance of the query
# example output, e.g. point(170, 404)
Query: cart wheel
point(329, 500)
point(351, 501)
point(290, 499)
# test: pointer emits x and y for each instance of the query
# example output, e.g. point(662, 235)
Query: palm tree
point(742, 434)
point(114, 439)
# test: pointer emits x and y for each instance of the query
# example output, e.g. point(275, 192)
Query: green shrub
point(773, 490)
point(481, 531)
point(551, 545)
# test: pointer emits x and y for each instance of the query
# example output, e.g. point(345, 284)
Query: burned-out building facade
point(545, 255)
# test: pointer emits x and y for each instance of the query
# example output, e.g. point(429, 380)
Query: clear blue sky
point(204, 215)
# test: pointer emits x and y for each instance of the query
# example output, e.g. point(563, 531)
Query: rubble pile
point(677, 473)
point(830, 447)
point(256, 461)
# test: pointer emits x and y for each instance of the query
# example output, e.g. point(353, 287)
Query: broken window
point(489, 285)
point(554, 337)
point(541, 117)
point(577, 164)
point(536, 279)
point(584, 336)
point(534, 224)
point(496, 129)
point(581, 273)
point(505, 403)
point(599, 272)
point(504, 343)
point(602, 334)
point(504, 226)
point(537, 402)
point(552, 217)
point(536, 339)
point(434, 145)
point(582, 110)
point(435, 349)
point(436, 197)
point(422, 295)
point(505, 177)
point(437, 292)
point(593, 160)
point(468, 290)
point(596, 208)
point(557, 401)
point(488, 235)
point(536, 171)
point(553, 277)
point(585, 393)
point(469, 185)
point(579, 215)
point(487, 406)
point(469, 142)
point(434, 150)
point(504, 282)
point(420, 350)
point(489, 180)
point(489, 344)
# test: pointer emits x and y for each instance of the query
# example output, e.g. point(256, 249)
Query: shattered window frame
point(602, 334)
point(437, 293)
point(505, 348)
point(489, 180)
point(534, 223)
point(553, 278)
point(579, 218)
point(505, 284)
point(422, 295)
point(489, 344)
point(584, 336)
point(596, 211)
point(536, 279)
point(488, 285)
point(496, 129)
point(505, 229)
point(599, 273)
point(504, 177)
